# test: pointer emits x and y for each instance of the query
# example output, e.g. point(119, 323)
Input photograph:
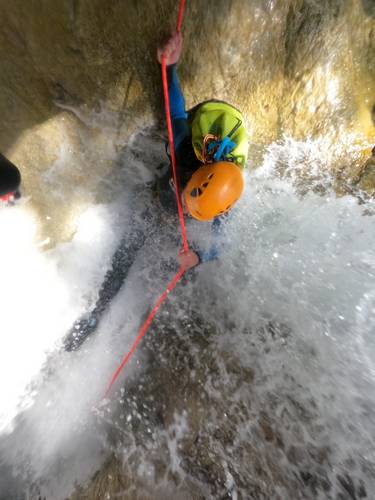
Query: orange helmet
point(213, 189)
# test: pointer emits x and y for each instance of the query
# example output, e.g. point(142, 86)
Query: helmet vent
point(195, 192)
point(210, 176)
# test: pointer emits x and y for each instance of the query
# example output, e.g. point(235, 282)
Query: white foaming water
point(296, 289)
point(305, 264)
point(48, 398)
point(40, 296)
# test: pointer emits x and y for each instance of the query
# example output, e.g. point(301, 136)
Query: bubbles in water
point(276, 334)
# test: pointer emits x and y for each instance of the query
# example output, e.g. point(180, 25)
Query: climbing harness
point(181, 271)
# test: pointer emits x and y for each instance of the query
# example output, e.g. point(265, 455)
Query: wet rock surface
point(366, 180)
point(78, 77)
point(189, 427)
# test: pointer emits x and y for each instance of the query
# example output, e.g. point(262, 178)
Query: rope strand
point(181, 271)
point(173, 156)
point(180, 15)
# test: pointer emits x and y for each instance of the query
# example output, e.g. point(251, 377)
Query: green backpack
point(220, 124)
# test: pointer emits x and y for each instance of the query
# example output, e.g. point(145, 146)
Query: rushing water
point(256, 380)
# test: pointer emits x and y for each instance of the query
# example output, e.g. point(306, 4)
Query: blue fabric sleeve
point(181, 130)
point(214, 251)
point(177, 105)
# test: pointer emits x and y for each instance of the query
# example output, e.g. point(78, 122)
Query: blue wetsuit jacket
point(187, 162)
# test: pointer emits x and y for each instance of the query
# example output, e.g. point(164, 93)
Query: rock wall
point(79, 76)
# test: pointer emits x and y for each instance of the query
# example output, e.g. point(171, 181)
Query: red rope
point(180, 15)
point(181, 271)
point(173, 157)
point(144, 328)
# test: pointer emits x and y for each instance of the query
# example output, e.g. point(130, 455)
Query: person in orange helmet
point(211, 151)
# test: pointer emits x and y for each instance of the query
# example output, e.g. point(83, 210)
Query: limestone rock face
point(79, 76)
point(367, 178)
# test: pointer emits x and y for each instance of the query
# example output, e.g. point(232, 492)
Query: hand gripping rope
point(181, 271)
